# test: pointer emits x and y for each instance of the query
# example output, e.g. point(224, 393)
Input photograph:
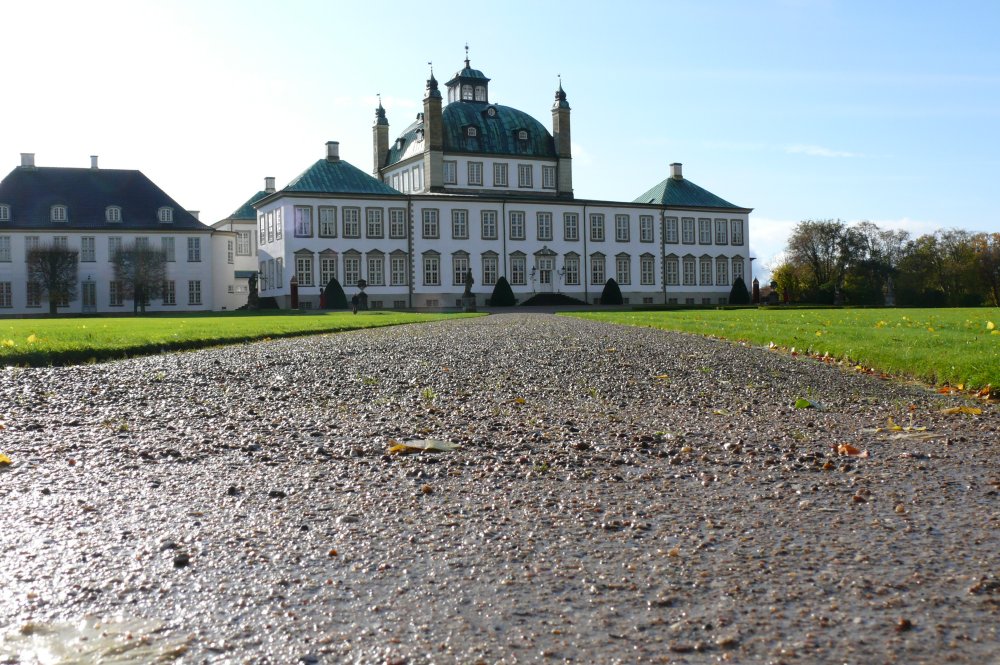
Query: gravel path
point(620, 495)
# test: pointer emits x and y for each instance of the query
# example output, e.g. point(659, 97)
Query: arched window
point(166, 215)
point(471, 132)
point(113, 214)
point(522, 135)
point(58, 213)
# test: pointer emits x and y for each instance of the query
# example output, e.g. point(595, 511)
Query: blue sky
point(800, 109)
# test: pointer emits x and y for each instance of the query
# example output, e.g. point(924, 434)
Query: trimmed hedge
point(612, 294)
point(503, 295)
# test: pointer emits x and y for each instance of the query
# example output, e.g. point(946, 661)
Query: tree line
point(832, 262)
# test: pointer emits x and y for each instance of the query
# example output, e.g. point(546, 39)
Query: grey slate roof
point(32, 191)
point(682, 193)
point(337, 177)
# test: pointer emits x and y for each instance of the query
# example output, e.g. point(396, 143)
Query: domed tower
point(561, 136)
point(468, 85)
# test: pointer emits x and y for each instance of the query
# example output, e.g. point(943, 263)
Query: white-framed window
point(194, 292)
point(671, 236)
point(432, 270)
point(352, 269)
point(571, 226)
point(230, 247)
point(738, 268)
point(522, 135)
point(687, 230)
point(418, 178)
point(88, 249)
point(450, 173)
point(623, 269)
point(396, 182)
point(516, 225)
point(597, 228)
point(270, 226)
point(113, 215)
point(6, 295)
point(375, 228)
point(194, 250)
point(470, 131)
point(499, 174)
point(722, 271)
point(525, 177)
point(431, 223)
point(645, 228)
point(622, 230)
point(58, 213)
point(265, 282)
point(4, 212)
point(459, 224)
point(671, 268)
point(705, 265)
point(243, 243)
point(115, 298)
point(142, 242)
point(460, 266)
point(647, 269)
point(399, 270)
point(327, 269)
point(548, 177)
point(376, 270)
point(278, 279)
point(166, 216)
point(480, 93)
point(114, 246)
point(518, 271)
point(722, 232)
point(279, 222)
point(475, 173)
point(489, 224)
point(597, 271)
point(689, 272)
point(406, 181)
point(167, 245)
point(544, 221)
point(397, 222)
point(327, 221)
point(169, 292)
point(303, 221)
point(33, 293)
point(737, 230)
point(704, 231)
point(5, 249)
point(490, 269)
point(261, 229)
point(352, 222)
point(304, 269)
point(571, 268)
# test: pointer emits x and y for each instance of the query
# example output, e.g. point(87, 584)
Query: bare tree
point(142, 271)
point(52, 269)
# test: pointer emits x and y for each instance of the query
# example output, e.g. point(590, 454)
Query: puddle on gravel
point(90, 640)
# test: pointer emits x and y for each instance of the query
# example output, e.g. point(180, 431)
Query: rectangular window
point(406, 182)
point(597, 269)
point(475, 173)
point(418, 178)
point(623, 269)
point(517, 270)
point(194, 292)
point(499, 175)
point(451, 173)
point(169, 293)
point(114, 246)
point(516, 225)
point(673, 271)
point(597, 228)
point(304, 270)
point(115, 293)
point(489, 270)
point(327, 269)
point(6, 295)
point(548, 177)
point(374, 226)
point(704, 231)
point(489, 222)
point(34, 295)
point(460, 266)
point(689, 271)
point(738, 268)
point(265, 283)
point(399, 271)
point(544, 222)
point(571, 226)
point(327, 222)
point(229, 251)
point(431, 226)
point(194, 250)
point(722, 232)
point(279, 273)
point(352, 222)
point(278, 223)
point(571, 266)
point(303, 221)
point(4, 249)
point(524, 175)
point(622, 230)
point(352, 270)
point(397, 222)
point(432, 271)
point(270, 226)
point(167, 245)
point(671, 237)
point(460, 224)
point(62, 242)
point(4, 213)
point(706, 271)
point(722, 271)
point(59, 213)
point(261, 229)
point(737, 231)
point(645, 228)
point(687, 229)
point(243, 243)
point(376, 270)
point(647, 270)
point(88, 249)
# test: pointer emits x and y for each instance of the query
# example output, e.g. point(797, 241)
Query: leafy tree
point(52, 269)
point(503, 295)
point(826, 249)
point(987, 249)
point(334, 295)
point(790, 279)
point(612, 294)
point(738, 295)
point(142, 271)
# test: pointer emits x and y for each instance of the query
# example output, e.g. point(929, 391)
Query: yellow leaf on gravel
point(971, 410)
point(720, 412)
point(421, 446)
point(519, 400)
point(4, 460)
point(662, 376)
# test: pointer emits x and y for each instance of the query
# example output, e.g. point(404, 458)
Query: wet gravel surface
point(619, 495)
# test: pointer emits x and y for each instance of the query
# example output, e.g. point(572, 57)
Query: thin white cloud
point(819, 151)
point(580, 155)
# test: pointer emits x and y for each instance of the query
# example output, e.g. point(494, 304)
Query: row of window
point(112, 214)
point(474, 175)
point(88, 294)
point(88, 247)
point(727, 231)
point(699, 272)
point(409, 180)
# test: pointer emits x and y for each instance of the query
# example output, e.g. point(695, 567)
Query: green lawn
point(938, 346)
point(76, 340)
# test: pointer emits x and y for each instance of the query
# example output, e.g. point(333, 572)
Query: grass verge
point(937, 346)
point(41, 342)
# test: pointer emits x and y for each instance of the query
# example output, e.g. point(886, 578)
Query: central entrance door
point(546, 266)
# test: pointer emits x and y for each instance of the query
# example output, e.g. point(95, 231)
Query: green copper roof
point(496, 133)
point(683, 193)
point(337, 177)
point(246, 211)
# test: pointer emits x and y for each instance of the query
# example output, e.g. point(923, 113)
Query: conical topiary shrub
point(502, 296)
point(738, 295)
point(334, 296)
point(611, 295)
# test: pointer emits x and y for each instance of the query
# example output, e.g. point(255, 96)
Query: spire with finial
point(466, 55)
point(432, 84)
point(560, 96)
point(380, 118)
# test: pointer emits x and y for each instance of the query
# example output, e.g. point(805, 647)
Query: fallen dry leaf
point(848, 449)
point(4, 460)
point(970, 410)
point(421, 446)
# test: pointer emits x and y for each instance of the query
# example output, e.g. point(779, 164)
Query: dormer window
point(471, 132)
point(466, 93)
point(58, 213)
point(166, 215)
point(420, 135)
point(480, 93)
point(113, 214)
point(4, 212)
point(522, 135)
